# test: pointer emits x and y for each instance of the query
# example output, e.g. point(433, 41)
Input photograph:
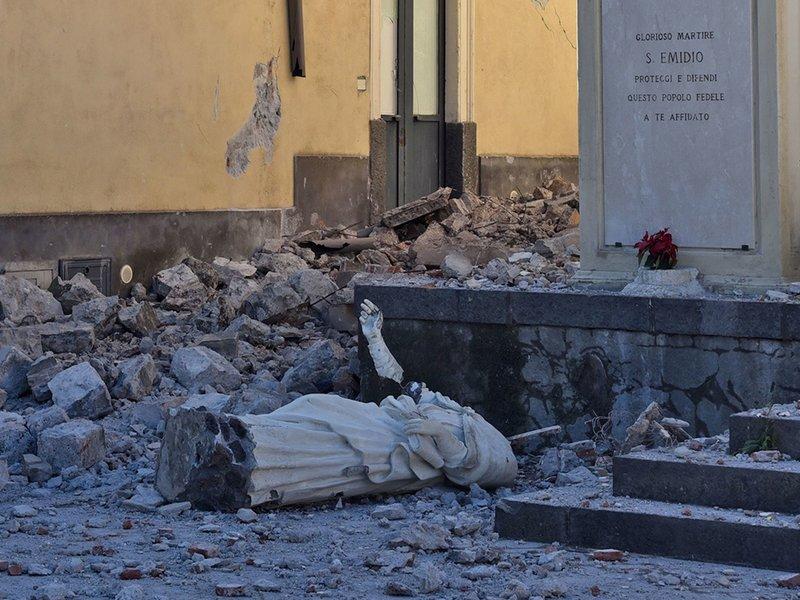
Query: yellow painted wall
point(526, 77)
point(127, 105)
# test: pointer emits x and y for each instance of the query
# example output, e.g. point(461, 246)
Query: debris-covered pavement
point(86, 383)
point(85, 539)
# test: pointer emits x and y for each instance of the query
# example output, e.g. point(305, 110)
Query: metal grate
point(97, 270)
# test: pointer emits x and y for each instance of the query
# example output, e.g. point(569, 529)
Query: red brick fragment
point(609, 555)
point(791, 582)
point(130, 574)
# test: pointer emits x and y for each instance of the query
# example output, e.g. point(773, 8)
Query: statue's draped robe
point(321, 446)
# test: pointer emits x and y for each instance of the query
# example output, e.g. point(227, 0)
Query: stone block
point(174, 278)
point(4, 475)
point(23, 303)
point(205, 272)
point(15, 439)
point(274, 301)
point(136, 378)
point(46, 418)
point(197, 367)
point(100, 313)
point(41, 372)
point(79, 443)
point(75, 291)
point(251, 331)
point(312, 285)
point(36, 469)
point(316, 368)
point(282, 263)
point(62, 338)
point(81, 392)
point(225, 343)
point(14, 367)
point(139, 318)
point(228, 269)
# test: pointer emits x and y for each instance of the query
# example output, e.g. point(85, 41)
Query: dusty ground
point(84, 542)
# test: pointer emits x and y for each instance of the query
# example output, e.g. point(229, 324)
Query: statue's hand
point(371, 319)
point(423, 427)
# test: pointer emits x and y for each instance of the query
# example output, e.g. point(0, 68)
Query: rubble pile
point(86, 381)
point(528, 241)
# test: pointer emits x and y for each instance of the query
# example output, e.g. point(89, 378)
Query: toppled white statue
point(323, 446)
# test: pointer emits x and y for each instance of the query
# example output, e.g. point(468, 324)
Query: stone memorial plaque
point(678, 121)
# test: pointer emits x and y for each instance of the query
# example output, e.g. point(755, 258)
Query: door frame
point(405, 100)
point(456, 97)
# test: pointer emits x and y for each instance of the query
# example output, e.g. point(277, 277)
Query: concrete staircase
point(708, 507)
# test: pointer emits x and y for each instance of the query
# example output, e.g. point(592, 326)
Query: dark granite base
point(753, 486)
point(702, 538)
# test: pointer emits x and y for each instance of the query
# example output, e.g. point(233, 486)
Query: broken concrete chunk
point(46, 418)
point(174, 278)
point(257, 401)
point(15, 439)
point(4, 475)
point(62, 338)
point(23, 303)
point(533, 441)
point(312, 285)
point(14, 367)
point(228, 269)
point(179, 288)
point(197, 367)
point(315, 371)
point(78, 443)
point(205, 272)
point(456, 265)
point(225, 343)
point(283, 263)
point(26, 338)
point(140, 319)
point(189, 297)
point(75, 291)
point(40, 373)
point(417, 209)
point(271, 303)
point(215, 403)
point(238, 289)
point(136, 378)
point(639, 432)
point(81, 392)
point(101, 313)
point(36, 469)
point(252, 331)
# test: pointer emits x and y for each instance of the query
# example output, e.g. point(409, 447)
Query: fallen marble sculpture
point(320, 447)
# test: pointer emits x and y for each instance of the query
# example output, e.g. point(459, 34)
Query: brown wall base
point(148, 242)
point(501, 175)
point(331, 191)
point(461, 169)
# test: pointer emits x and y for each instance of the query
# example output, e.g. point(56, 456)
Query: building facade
point(117, 115)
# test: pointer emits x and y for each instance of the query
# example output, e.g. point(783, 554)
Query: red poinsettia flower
point(657, 250)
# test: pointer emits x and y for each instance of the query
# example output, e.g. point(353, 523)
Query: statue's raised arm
point(320, 447)
point(371, 325)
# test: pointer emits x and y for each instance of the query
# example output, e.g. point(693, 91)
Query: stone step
point(782, 425)
point(709, 479)
point(697, 533)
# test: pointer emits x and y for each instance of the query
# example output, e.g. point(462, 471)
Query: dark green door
point(416, 127)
